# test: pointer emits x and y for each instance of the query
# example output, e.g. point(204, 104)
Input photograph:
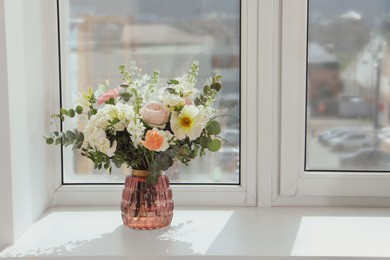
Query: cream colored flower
point(136, 130)
point(173, 100)
point(97, 139)
point(188, 123)
point(155, 114)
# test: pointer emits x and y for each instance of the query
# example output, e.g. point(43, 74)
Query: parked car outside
point(339, 134)
point(329, 132)
point(351, 141)
point(366, 158)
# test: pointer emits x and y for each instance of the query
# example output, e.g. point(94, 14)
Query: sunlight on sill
point(235, 233)
point(343, 236)
point(77, 232)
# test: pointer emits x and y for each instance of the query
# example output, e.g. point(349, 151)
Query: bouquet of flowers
point(144, 125)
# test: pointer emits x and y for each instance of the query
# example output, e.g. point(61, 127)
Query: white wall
point(6, 235)
point(26, 82)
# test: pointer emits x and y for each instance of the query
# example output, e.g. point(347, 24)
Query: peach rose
point(156, 140)
point(155, 114)
point(112, 93)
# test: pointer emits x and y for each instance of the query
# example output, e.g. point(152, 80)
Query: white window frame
point(189, 195)
point(293, 185)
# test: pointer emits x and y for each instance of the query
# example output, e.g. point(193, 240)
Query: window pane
point(99, 35)
point(348, 65)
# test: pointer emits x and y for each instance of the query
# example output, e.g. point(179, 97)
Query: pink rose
point(112, 93)
point(155, 114)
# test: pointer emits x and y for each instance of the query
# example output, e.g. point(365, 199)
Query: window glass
point(97, 36)
point(348, 91)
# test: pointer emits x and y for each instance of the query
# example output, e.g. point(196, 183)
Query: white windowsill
point(213, 233)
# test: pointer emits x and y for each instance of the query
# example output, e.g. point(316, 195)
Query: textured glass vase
point(146, 206)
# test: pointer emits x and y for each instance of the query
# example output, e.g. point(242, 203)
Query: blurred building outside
point(98, 44)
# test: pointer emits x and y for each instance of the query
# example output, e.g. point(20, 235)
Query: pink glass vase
point(146, 206)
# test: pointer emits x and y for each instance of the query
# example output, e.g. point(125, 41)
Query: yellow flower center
point(186, 121)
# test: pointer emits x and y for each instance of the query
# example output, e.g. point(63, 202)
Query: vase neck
point(139, 173)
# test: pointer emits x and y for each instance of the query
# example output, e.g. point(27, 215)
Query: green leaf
point(111, 101)
point(170, 90)
point(126, 96)
point(206, 89)
point(216, 85)
point(71, 113)
point(70, 134)
point(117, 162)
point(92, 112)
point(204, 140)
point(163, 161)
point(58, 141)
point(49, 140)
point(63, 111)
point(194, 152)
point(79, 110)
point(213, 128)
point(152, 178)
point(197, 101)
point(77, 145)
point(67, 141)
point(173, 81)
point(214, 145)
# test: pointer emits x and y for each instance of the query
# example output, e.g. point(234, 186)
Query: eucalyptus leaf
point(49, 140)
point(70, 134)
point(213, 128)
point(58, 141)
point(63, 111)
point(204, 140)
point(216, 85)
point(117, 162)
point(71, 113)
point(79, 110)
point(170, 90)
point(214, 145)
point(206, 89)
point(77, 145)
point(152, 178)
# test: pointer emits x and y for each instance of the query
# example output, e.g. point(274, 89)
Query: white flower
point(173, 100)
point(186, 89)
point(136, 130)
point(188, 123)
point(96, 127)
point(97, 138)
point(125, 114)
